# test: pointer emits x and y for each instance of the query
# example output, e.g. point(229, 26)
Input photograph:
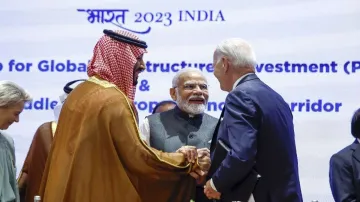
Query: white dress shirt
point(234, 86)
point(145, 131)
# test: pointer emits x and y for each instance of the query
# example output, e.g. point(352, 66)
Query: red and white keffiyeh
point(114, 61)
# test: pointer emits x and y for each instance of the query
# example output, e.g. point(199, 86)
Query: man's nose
point(142, 64)
point(197, 90)
point(17, 119)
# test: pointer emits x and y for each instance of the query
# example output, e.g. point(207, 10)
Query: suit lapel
point(214, 137)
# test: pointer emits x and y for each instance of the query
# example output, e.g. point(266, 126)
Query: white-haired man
point(256, 132)
point(186, 124)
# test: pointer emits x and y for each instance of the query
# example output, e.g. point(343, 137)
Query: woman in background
point(12, 101)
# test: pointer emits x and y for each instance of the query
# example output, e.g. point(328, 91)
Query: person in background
point(32, 171)
point(12, 102)
point(256, 131)
point(345, 167)
point(186, 124)
point(164, 106)
point(97, 153)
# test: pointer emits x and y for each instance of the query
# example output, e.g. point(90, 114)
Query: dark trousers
point(200, 196)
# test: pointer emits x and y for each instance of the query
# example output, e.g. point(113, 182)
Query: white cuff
point(212, 185)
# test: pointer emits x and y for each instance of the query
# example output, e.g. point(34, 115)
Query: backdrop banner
point(308, 51)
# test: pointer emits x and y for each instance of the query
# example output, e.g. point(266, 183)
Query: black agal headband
point(68, 89)
point(125, 39)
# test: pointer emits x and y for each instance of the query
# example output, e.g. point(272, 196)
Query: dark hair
point(355, 124)
point(163, 103)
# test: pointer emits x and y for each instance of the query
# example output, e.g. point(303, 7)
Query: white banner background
point(279, 30)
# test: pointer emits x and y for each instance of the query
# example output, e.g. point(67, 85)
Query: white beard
point(190, 108)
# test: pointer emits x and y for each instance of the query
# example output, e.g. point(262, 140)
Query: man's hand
point(210, 192)
point(203, 152)
point(189, 152)
point(204, 164)
point(204, 160)
point(199, 175)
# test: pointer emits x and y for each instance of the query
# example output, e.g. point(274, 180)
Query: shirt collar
point(239, 79)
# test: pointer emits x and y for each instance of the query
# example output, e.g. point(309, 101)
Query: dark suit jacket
point(344, 174)
point(258, 127)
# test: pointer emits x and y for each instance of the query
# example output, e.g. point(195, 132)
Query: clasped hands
point(199, 173)
point(199, 156)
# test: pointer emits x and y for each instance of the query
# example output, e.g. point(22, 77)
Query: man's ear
point(173, 93)
point(226, 64)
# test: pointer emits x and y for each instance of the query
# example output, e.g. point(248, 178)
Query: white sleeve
point(212, 185)
point(145, 131)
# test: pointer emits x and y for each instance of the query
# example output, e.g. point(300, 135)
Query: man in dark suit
point(257, 127)
point(345, 168)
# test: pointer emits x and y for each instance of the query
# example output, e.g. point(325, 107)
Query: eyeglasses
point(191, 86)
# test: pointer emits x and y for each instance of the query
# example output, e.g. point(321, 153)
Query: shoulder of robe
point(45, 126)
point(96, 96)
point(116, 98)
point(104, 92)
point(110, 94)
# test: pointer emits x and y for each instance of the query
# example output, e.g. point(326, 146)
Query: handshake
point(202, 158)
point(199, 156)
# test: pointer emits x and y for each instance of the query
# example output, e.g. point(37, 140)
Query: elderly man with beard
point(97, 153)
point(186, 124)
